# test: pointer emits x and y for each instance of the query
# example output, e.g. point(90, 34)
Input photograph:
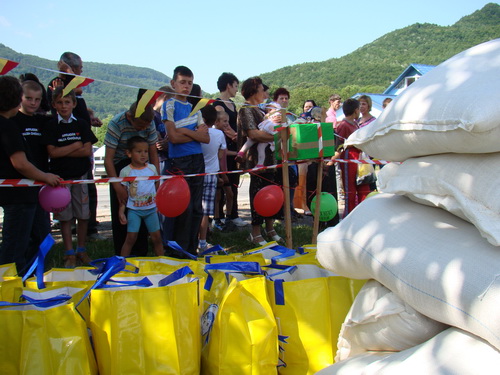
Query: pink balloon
point(54, 199)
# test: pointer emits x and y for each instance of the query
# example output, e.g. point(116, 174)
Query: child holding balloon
point(18, 203)
point(141, 203)
point(31, 125)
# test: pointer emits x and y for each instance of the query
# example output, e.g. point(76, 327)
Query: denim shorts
point(149, 216)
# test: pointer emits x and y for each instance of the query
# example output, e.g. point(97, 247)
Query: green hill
point(106, 99)
point(372, 67)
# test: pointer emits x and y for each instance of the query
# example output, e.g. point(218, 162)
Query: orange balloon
point(173, 196)
point(268, 200)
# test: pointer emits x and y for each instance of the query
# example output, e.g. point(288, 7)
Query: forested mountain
point(370, 68)
point(106, 99)
point(384, 59)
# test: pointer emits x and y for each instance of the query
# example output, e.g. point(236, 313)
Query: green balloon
point(327, 207)
point(373, 193)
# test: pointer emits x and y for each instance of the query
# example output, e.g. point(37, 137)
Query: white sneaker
point(239, 222)
point(96, 237)
point(203, 248)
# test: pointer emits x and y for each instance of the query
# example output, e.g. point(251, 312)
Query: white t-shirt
point(211, 150)
point(141, 194)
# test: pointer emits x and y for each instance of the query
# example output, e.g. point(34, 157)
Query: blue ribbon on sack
point(249, 268)
point(174, 245)
point(279, 292)
point(47, 302)
point(39, 262)
point(176, 275)
point(213, 249)
point(106, 268)
point(44, 302)
point(117, 263)
point(285, 252)
point(145, 282)
point(282, 269)
point(302, 250)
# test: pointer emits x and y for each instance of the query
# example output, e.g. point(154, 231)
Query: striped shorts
point(208, 198)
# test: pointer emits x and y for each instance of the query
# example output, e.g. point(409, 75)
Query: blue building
point(412, 73)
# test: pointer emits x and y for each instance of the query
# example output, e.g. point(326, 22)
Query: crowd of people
point(46, 136)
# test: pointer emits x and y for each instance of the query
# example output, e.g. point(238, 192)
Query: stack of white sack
point(432, 239)
point(435, 262)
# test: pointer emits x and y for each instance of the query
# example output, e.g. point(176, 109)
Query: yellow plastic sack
point(44, 341)
point(273, 253)
point(10, 284)
point(75, 291)
point(60, 277)
point(365, 173)
point(305, 255)
point(235, 257)
point(147, 330)
point(162, 265)
point(309, 304)
point(10, 288)
point(308, 258)
point(8, 269)
point(238, 327)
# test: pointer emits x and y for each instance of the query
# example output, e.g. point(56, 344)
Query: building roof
point(411, 70)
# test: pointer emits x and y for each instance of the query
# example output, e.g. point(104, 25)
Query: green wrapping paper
point(303, 142)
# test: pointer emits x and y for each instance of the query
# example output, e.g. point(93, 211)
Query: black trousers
point(234, 181)
point(329, 185)
point(92, 204)
point(187, 225)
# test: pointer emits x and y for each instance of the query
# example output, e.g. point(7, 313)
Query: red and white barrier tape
point(23, 182)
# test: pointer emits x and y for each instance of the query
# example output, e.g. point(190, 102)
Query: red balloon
point(268, 200)
point(173, 196)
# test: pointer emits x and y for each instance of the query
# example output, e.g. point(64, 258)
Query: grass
point(235, 242)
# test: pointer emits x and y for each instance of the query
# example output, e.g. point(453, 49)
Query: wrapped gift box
point(303, 142)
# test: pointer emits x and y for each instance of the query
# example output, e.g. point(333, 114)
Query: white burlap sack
point(436, 262)
point(453, 108)
point(466, 185)
point(381, 321)
point(451, 352)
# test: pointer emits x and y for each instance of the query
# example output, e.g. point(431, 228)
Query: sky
point(210, 37)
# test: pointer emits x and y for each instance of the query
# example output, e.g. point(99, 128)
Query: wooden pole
point(284, 134)
point(319, 180)
point(319, 185)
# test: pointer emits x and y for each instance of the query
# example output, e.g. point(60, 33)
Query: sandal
point(257, 240)
point(83, 257)
point(274, 236)
point(70, 259)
